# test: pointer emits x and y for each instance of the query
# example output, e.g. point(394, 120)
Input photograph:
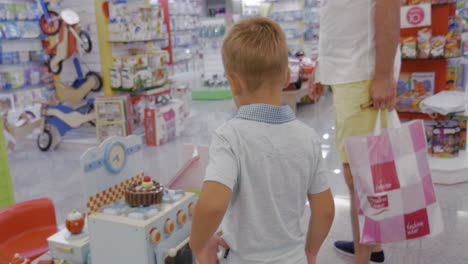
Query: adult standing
point(358, 58)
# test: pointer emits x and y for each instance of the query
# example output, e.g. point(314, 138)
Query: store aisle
point(56, 174)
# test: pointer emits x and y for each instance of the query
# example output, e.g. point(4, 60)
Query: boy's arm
point(209, 212)
point(322, 209)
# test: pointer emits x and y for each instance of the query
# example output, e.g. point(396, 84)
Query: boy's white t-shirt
point(270, 161)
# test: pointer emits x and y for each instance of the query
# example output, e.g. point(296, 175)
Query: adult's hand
point(383, 93)
point(316, 90)
point(209, 255)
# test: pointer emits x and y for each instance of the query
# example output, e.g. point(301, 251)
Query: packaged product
point(452, 74)
point(454, 25)
point(408, 48)
point(33, 76)
point(21, 11)
point(424, 43)
point(3, 81)
point(143, 78)
point(438, 44)
point(422, 84)
point(404, 84)
point(37, 55)
point(129, 61)
point(446, 139)
point(29, 29)
point(115, 78)
point(462, 122)
point(142, 61)
point(465, 43)
point(429, 129)
point(16, 79)
point(11, 30)
point(453, 46)
point(8, 58)
point(108, 130)
point(128, 76)
point(10, 11)
point(117, 62)
point(2, 12)
point(23, 56)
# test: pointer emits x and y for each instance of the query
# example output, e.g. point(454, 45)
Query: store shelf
point(166, 89)
point(408, 115)
point(449, 170)
point(421, 59)
point(27, 63)
point(26, 88)
point(159, 38)
point(184, 15)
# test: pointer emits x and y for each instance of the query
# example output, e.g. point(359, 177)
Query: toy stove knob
point(181, 218)
point(191, 209)
point(155, 236)
point(169, 227)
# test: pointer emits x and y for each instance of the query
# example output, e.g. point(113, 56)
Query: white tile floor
point(56, 175)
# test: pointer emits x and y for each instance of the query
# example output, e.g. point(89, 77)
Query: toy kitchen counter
point(131, 217)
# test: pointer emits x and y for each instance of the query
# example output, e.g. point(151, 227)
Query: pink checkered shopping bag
point(395, 197)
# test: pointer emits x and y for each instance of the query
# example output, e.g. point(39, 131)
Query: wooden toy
point(59, 117)
point(121, 234)
point(27, 124)
point(71, 38)
point(71, 249)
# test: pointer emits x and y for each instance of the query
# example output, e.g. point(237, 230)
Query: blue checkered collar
point(266, 113)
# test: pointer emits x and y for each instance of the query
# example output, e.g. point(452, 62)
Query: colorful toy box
point(163, 123)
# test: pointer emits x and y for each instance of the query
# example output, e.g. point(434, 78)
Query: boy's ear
point(235, 84)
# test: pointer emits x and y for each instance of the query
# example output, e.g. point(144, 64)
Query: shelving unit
point(22, 60)
point(290, 16)
point(111, 47)
point(444, 170)
point(440, 16)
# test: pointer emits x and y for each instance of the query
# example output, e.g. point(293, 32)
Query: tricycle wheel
point(53, 27)
point(97, 78)
point(44, 140)
point(55, 70)
point(86, 42)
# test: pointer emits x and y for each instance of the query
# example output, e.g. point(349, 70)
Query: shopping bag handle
point(393, 121)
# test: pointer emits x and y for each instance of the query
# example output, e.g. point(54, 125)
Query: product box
point(429, 129)
point(107, 130)
point(163, 123)
point(404, 84)
point(113, 116)
point(446, 139)
point(409, 96)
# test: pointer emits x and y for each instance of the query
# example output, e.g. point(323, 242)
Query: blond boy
point(264, 164)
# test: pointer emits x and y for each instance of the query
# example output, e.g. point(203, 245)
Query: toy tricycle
point(59, 118)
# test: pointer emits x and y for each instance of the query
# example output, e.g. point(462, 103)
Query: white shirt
point(347, 42)
point(270, 161)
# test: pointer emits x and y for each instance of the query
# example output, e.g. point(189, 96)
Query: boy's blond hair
point(255, 49)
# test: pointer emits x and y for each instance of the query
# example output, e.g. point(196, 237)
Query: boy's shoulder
point(296, 129)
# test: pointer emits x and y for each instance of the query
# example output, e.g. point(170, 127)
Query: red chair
point(24, 229)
